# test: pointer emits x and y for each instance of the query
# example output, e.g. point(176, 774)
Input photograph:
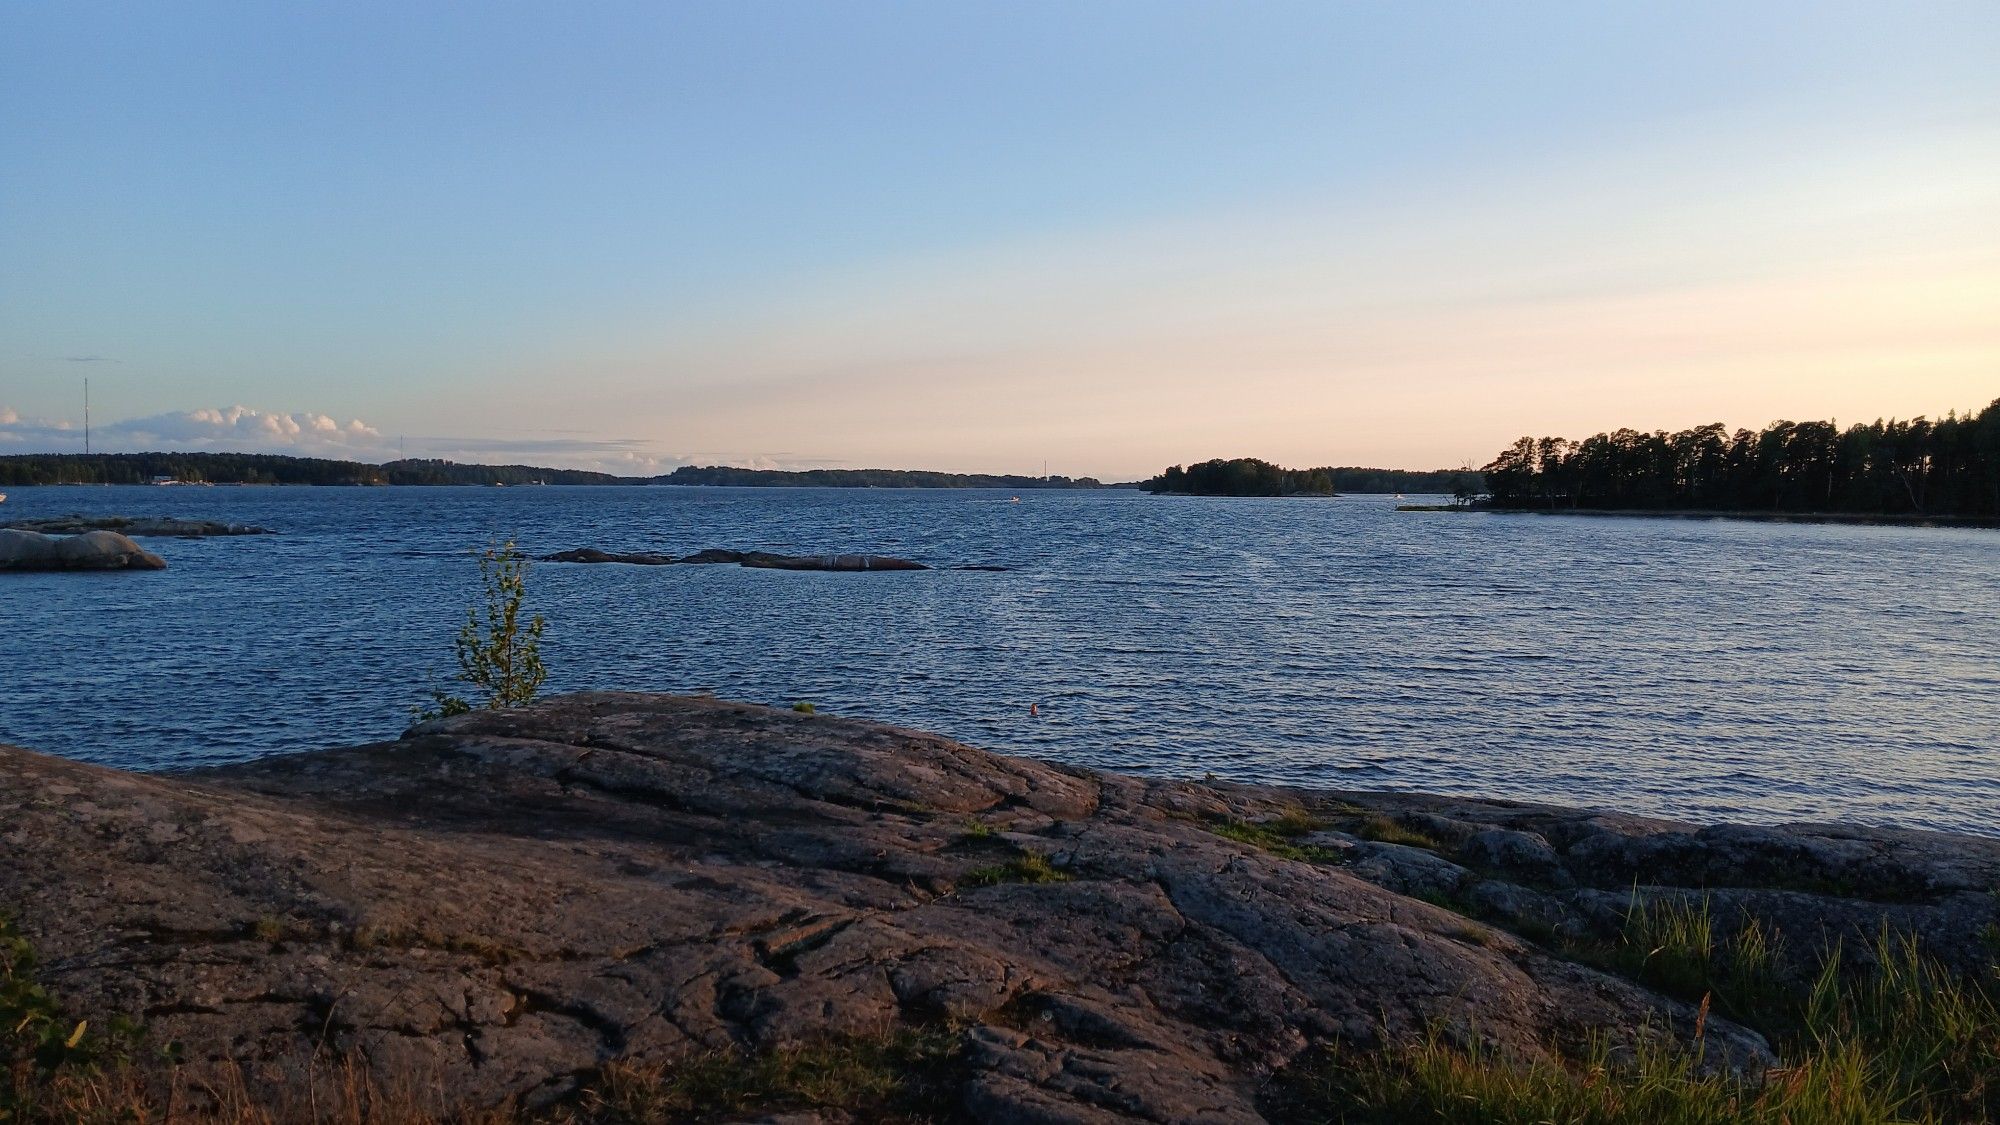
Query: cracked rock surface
point(503, 902)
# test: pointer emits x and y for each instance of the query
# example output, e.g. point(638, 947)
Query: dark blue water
point(1707, 669)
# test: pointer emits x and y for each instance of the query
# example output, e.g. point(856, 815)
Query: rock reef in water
point(504, 902)
point(93, 550)
point(142, 526)
point(759, 560)
point(593, 555)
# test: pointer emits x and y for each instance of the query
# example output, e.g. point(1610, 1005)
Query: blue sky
point(981, 236)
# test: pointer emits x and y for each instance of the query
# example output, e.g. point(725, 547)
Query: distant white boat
point(3, 498)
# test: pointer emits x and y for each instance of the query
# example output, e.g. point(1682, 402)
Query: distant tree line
point(1949, 467)
point(213, 468)
point(1250, 476)
point(1354, 479)
point(427, 471)
point(1241, 476)
point(270, 468)
point(864, 478)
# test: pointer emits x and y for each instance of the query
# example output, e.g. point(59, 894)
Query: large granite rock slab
point(504, 902)
point(93, 550)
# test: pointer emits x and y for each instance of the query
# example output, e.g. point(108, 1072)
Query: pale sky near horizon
point(1107, 236)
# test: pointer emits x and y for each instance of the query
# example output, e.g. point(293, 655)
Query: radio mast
point(86, 415)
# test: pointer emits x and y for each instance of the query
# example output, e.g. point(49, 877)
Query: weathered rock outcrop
point(505, 901)
point(93, 550)
point(593, 555)
point(759, 560)
point(140, 526)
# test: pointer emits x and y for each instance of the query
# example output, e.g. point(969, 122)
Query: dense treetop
point(1351, 478)
point(1949, 467)
point(1249, 476)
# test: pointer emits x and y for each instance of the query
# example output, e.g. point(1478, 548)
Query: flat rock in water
point(505, 901)
point(593, 555)
point(93, 550)
point(136, 526)
point(764, 561)
point(759, 560)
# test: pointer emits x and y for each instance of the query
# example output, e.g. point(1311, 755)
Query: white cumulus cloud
point(241, 429)
point(247, 429)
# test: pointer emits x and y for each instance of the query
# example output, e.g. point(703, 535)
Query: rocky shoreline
point(506, 906)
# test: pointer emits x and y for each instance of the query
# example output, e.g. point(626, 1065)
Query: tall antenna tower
point(86, 415)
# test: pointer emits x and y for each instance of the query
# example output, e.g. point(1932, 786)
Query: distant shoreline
point(166, 468)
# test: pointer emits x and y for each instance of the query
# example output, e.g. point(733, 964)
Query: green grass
point(1385, 830)
point(1278, 836)
point(46, 1057)
point(909, 1075)
point(1028, 867)
point(1435, 1083)
point(804, 708)
point(1903, 1040)
point(1676, 946)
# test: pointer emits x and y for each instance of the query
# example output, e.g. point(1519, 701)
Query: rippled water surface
point(1708, 669)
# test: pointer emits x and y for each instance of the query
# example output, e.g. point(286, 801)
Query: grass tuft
point(1278, 836)
point(1386, 830)
point(1028, 867)
point(1440, 1084)
point(1675, 945)
point(1904, 1041)
point(907, 1075)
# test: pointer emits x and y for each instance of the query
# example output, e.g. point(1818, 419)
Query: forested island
point(1920, 468)
point(865, 478)
point(265, 468)
point(1251, 476)
point(271, 468)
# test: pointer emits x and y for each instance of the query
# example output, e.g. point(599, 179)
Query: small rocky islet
point(755, 560)
point(136, 526)
point(92, 550)
point(510, 905)
point(76, 542)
